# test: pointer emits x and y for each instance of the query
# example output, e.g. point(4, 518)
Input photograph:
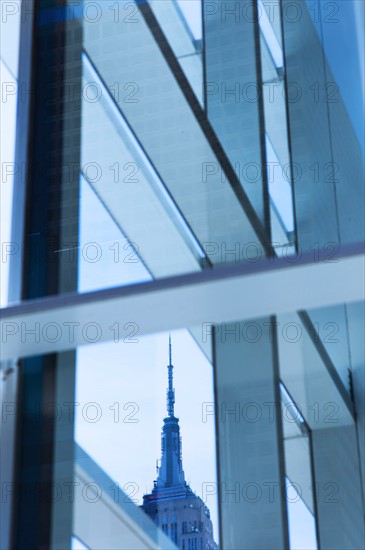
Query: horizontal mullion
point(227, 293)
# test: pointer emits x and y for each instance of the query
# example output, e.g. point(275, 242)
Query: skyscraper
point(172, 504)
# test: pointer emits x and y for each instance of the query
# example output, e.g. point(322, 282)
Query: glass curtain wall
point(160, 139)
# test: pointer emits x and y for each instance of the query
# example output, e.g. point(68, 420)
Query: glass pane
point(309, 374)
point(300, 485)
point(325, 110)
point(345, 19)
point(76, 544)
point(10, 36)
point(8, 125)
point(160, 482)
point(166, 137)
point(302, 529)
point(182, 24)
point(233, 95)
point(146, 149)
point(192, 12)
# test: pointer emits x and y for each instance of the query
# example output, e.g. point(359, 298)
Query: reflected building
point(172, 505)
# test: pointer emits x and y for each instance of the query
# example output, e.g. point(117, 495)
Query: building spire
point(170, 491)
point(170, 474)
point(170, 349)
point(170, 390)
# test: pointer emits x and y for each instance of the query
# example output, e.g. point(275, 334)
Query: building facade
point(193, 167)
point(172, 505)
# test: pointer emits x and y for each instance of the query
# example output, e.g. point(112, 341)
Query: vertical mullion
point(50, 224)
point(250, 451)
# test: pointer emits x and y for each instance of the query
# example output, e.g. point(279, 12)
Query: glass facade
point(182, 358)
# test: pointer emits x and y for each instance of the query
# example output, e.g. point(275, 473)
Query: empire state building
point(172, 505)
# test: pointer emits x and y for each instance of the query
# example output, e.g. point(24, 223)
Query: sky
point(126, 441)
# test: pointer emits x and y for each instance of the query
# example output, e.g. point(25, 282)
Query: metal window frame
point(238, 291)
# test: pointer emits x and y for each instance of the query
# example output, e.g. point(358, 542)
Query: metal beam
point(227, 293)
